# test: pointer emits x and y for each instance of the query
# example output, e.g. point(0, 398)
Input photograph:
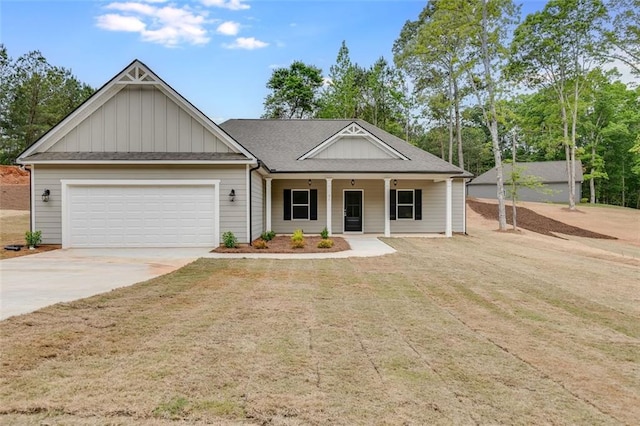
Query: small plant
point(33, 238)
point(324, 233)
point(268, 235)
point(260, 244)
point(325, 243)
point(584, 200)
point(229, 239)
point(297, 239)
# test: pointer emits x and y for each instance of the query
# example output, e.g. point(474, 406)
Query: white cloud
point(229, 28)
point(167, 25)
point(113, 22)
point(247, 43)
point(227, 4)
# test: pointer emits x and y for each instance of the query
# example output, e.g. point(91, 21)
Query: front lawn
point(485, 329)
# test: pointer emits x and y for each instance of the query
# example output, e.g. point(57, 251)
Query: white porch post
point(268, 202)
point(448, 228)
point(329, 205)
point(387, 203)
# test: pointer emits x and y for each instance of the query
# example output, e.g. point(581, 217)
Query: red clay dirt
point(532, 221)
point(14, 188)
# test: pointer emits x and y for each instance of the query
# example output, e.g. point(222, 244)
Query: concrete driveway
point(32, 282)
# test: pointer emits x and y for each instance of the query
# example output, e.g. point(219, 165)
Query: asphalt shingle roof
point(279, 144)
point(547, 171)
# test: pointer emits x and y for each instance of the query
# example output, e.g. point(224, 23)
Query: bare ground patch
point(490, 328)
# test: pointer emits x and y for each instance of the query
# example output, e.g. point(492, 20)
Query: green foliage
point(297, 239)
point(325, 243)
point(268, 235)
point(34, 96)
point(33, 238)
point(229, 239)
point(260, 244)
point(324, 233)
point(294, 92)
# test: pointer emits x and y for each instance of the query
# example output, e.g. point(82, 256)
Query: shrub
point(229, 239)
point(33, 238)
point(325, 243)
point(297, 239)
point(260, 244)
point(324, 233)
point(584, 200)
point(268, 236)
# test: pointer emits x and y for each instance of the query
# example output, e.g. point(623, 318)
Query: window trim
point(413, 204)
point(308, 204)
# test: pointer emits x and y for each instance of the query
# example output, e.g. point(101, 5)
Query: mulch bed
point(282, 244)
point(532, 221)
point(24, 251)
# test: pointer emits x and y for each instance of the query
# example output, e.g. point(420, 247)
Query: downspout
point(250, 192)
point(23, 167)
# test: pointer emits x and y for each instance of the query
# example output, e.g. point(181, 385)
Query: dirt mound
point(532, 221)
point(13, 175)
point(14, 197)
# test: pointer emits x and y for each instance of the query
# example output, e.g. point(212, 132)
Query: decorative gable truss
point(353, 142)
point(136, 112)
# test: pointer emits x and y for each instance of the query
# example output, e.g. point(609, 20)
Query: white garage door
point(141, 215)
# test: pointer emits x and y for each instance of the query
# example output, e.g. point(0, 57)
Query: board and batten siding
point(48, 216)
point(140, 119)
point(257, 205)
point(433, 206)
point(353, 147)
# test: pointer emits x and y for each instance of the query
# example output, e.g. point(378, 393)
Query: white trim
point(329, 200)
point(308, 205)
point(111, 89)
point(134, 162)
point(413, 204)
point(32, 219)
point(349, 131)
point(464, 207)
point(387, 207)
point(268, 204)
point(344, 207)
point(448, 211)
point(249, 193)
point(66, 183)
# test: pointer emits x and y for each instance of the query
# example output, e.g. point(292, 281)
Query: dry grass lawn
point(490, 328)
point(13, 225)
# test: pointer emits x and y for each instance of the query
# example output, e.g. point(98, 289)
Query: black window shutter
point(392, 204)
point(313, 204)
point(418, 204)
point(287, 204)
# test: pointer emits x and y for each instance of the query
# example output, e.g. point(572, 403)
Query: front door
point(353, 211)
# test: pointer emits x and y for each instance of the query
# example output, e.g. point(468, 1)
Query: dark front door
point(353, 211)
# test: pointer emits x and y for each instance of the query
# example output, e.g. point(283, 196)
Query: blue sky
point(219, 54)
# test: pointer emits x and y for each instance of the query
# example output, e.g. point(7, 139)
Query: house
point(137, 165)
point(552, 174)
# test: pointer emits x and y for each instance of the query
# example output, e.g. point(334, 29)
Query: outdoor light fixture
point(232, 195)
point(395, 182)
point(45, 195)
point(353, 182)
point(309, 182)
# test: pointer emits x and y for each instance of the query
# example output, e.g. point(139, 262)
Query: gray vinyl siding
point(556, 192)
point(257, 205)
point(140, 119)
point(433, 206)
point(48, 216)
point(352, 147)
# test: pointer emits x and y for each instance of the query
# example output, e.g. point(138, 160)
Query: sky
point(218, 54)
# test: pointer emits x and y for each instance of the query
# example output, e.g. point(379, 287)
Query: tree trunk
point(450, 122)
point(456, 106)
point(592, 181)
point(513, 183)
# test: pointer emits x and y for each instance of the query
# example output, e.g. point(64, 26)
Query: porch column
point(268, 202)
point(387, 203)
point(448, 229)
point(329, 205)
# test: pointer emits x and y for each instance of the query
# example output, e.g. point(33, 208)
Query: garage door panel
point(141, 216)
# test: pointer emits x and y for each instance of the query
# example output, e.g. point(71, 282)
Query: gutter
point(250, 192)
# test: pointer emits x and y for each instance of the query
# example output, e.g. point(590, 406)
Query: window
point(300, 204)
point(405, 204)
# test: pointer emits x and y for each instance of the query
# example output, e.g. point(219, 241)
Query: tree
point(295, 92)
point(342, 97)
point(555, 48)
point(625, 33)
point(36, 96)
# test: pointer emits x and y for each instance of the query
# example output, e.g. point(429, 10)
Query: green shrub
point(324, 233)
point(260, 244)
point(297, 239)
point(325, 243)
point(33, 238)
point(584, 200)
point(268, 235)
point(229, 239)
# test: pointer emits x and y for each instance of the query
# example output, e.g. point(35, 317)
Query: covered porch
point(365, 203)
